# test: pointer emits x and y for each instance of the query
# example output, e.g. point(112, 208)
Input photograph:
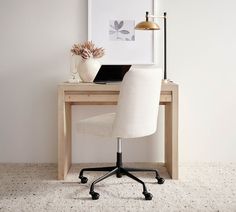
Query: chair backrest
point(138, 103)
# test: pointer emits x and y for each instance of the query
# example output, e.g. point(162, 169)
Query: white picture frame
point(137, 47)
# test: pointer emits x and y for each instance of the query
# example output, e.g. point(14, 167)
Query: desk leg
point(64, 136)
point(171, 135)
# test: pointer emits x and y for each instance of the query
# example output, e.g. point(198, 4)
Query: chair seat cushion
point(100, 125)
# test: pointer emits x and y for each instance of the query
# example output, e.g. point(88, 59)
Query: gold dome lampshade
point(147, 25)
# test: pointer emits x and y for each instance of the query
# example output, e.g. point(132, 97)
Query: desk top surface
point(166, 86)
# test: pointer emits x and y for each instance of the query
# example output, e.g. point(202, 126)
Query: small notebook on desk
point(111, 73)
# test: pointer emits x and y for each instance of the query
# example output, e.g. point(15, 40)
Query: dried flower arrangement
point(87, 50)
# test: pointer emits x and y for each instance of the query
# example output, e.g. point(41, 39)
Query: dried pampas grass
point(87, 50)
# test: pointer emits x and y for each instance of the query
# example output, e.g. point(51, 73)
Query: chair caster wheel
point(148, 196)
point(84, 180)
point(160, 180)
point(94, 195)
point(118, 175)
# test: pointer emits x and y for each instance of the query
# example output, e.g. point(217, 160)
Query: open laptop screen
point(111, 73)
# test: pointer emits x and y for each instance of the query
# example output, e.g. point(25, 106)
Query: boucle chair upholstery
point(136, 116)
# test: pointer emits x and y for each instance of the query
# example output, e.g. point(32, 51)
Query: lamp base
point(167, 80)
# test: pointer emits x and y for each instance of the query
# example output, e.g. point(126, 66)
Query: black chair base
point(119, 170)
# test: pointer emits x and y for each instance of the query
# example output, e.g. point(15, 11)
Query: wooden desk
point(107, 94)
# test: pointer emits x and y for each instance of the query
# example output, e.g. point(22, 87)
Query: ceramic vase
point(88, 69)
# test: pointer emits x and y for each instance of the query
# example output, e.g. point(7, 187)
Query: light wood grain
point(104, 97)
point(171, 134)
point(61, 134)
point(96, 94)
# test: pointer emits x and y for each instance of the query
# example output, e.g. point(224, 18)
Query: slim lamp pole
point(150, 25)
point(165, 69)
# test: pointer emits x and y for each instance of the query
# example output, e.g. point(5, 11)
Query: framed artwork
point(111, 26)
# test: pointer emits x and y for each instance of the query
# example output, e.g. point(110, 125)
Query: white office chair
point(136, 116)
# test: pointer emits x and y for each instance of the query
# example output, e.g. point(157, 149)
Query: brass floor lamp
point(150, 25)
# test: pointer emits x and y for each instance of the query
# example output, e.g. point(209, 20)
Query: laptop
point(111, 73)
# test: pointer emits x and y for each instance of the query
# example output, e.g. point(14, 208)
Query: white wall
point(202, 60)
point(35, 37)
